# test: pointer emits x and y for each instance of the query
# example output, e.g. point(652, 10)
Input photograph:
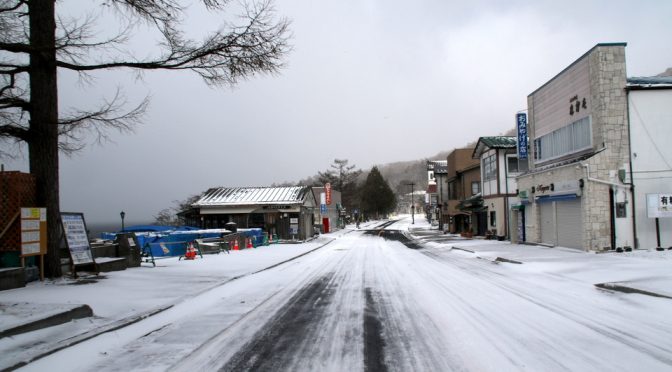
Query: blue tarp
point(173, 241)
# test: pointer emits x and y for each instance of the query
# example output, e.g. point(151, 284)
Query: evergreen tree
point(343, 177)
point(377, 198)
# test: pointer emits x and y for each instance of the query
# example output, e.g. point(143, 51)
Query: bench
point(212, 245)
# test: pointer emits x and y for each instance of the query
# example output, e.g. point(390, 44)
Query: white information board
point(659, 205)
point(76, 238)
point(33, 231)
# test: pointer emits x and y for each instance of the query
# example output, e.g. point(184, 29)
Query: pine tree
point(377, 198)
point(343, 177)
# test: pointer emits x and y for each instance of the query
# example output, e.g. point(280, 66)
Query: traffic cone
point(191, 252)
point(235, 245)
point(248, 244)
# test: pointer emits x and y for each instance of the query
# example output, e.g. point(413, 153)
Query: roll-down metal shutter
point(547, 223)
point(569, 226)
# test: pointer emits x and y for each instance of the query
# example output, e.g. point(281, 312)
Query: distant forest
point(398, 174)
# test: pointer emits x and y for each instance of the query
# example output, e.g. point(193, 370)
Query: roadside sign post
point(77, 241)
point(659, 206)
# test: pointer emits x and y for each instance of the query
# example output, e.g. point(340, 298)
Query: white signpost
point(659, 206)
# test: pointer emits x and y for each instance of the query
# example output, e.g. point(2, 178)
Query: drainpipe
point(596, 180)
point(635, 244)
point(613, 186)
point(506, 199)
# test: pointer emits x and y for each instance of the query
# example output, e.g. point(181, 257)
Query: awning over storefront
point(559, 197)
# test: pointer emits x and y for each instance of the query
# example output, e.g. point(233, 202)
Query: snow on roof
point(493, 142)
point(253, 195)
point(650, 82)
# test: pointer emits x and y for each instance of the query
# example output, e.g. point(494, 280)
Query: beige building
point(574, 194)
point(499, 168)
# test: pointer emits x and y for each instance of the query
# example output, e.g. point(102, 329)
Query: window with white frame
point(567, 140)
point(490, 168)
point(475, 187)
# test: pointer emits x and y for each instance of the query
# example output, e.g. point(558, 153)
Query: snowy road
point(366, 301)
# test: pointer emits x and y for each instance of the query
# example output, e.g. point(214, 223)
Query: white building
point(499, 169)
point(650, 117)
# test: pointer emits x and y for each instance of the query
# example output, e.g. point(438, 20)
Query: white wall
point(650, 114)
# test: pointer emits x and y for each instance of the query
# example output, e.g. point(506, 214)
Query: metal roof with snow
point(650, 82)
point(221, 196)
point(494, 142)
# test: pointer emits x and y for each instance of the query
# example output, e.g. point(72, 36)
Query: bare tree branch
point(14, 102)
point(5, 7)
point(12, 131)
point(110, 116)
point(16, 47)
point(223, 57)
point(74, 35)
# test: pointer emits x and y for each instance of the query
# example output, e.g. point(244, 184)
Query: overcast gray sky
point(371, 81)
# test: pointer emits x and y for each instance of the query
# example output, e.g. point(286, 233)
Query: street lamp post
point(412, 203)
point(122, 214)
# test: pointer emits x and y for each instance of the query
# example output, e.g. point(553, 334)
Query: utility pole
point(412, 203)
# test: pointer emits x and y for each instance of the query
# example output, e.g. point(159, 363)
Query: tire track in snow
point(374, 344)
point(557, 304)
point(413, 341)
point(274, 346)
point(553, 304)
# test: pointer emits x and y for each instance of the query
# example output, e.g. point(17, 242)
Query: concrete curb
point(463, 249)
point(625, 289)
point(72, 341)
point(82, 311)
point(507, 260)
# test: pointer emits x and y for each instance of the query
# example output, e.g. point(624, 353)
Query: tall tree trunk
point(43, 137)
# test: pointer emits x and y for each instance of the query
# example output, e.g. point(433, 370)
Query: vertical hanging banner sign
point(327, 191)
point(323, 203)
point(521, 126)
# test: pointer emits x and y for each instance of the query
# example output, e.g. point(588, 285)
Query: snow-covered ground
point(364, 300)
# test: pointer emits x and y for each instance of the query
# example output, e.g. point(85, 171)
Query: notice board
point(33, 231)
point(659, 205)
point(76, 238)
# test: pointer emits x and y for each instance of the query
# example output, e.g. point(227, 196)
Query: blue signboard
point(323, 208)
point(521, 125)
